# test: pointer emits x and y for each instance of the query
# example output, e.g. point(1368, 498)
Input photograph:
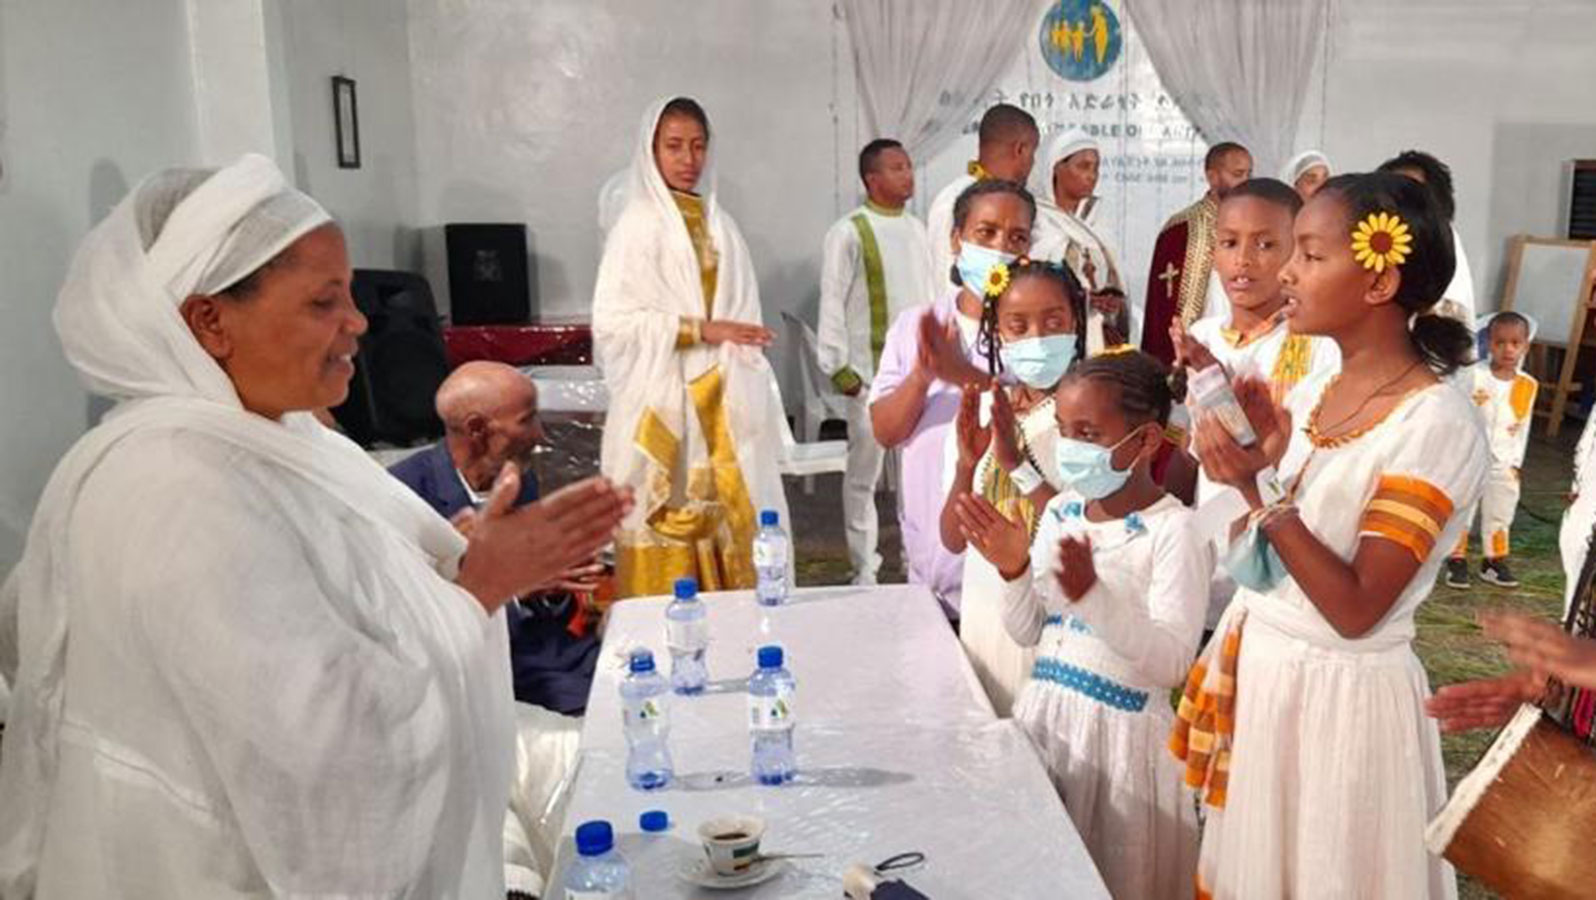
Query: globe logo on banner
point(1081, 39)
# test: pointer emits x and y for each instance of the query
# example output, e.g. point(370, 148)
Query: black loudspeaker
point(400, 364)
point(488, 274)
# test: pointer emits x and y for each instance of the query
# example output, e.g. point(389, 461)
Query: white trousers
point(860, 522)
point(1497, 507)
point(546, 745)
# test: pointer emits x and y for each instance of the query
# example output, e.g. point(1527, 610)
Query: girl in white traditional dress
point(1032, 329)
point(1112, 594)
point(1303, 723)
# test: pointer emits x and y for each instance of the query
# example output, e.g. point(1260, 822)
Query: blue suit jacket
point(552, 667)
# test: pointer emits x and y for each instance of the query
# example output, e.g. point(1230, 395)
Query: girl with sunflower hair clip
point(1302, 725)
point(1032, 329)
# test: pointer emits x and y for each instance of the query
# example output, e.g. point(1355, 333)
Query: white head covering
point(646, 181)
point(180, 232)
point(1301, 163)
point(1067, 144)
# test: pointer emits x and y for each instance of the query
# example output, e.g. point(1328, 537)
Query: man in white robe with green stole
point(876, 262)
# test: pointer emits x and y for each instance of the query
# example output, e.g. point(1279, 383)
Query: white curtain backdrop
point(1239, 69)
point(925, 67)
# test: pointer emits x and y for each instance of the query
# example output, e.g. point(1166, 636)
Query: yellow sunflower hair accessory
point(1117, 350)
point(1382, 239)
point(997, 280)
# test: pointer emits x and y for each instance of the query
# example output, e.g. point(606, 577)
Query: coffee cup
point(732, 842)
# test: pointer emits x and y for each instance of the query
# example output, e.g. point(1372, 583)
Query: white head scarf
point(1065, 145)
point(181, 232)
point(1301, 163)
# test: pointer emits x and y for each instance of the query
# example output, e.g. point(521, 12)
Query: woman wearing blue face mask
point(1032, 329)
point(1112, 594)
point(930, 355)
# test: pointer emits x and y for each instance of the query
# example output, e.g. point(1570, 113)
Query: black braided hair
point(1020, 270)
point(1144, 383)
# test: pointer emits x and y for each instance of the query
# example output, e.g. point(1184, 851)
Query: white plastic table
point(898, 750)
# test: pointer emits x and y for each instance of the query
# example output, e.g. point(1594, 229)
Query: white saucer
point(696, 870)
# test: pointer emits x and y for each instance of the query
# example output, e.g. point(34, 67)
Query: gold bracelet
point(689, 333)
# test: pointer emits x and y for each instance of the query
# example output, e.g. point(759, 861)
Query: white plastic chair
point(809, 458)
point(820, 401)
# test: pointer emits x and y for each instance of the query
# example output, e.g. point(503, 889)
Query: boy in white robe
point(1252, 242)
point(876, 262)
point(1505, 398)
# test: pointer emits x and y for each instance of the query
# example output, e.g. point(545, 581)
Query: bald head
point(483, 388)
point(489, 412)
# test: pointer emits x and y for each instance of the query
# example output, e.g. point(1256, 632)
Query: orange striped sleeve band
point(1410, 511)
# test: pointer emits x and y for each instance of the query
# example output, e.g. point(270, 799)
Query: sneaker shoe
point(1495, 571)
point(1457, 574)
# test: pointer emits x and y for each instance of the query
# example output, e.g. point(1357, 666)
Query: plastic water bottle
point(687, 635)
point(598, 870)
point(644, 696)
point(770, 559)
point(771, 716)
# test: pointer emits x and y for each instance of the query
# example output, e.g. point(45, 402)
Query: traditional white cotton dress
point(1001, 664)
point(1335, 769)
point(1097, 708)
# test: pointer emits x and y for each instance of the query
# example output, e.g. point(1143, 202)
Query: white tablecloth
point(897, 749)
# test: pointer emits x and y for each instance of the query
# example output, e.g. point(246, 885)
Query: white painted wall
point(94, 94)
point(366, 40)
point(525, 107)
point(1501, 91)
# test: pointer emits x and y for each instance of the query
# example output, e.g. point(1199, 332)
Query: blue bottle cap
point(655, 820)
point(642, 661)
point(770, 657)
point(594, 838)
point(769, 517)
point(686, 588)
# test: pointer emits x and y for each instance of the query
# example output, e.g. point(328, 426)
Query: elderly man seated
point(489, 413)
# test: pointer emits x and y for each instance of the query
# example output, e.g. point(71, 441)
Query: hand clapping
point(517, 551)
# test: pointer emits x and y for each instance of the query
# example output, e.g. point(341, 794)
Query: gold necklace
point(1317, 435)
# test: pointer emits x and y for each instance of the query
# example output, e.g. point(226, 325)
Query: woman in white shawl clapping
point(247, 661)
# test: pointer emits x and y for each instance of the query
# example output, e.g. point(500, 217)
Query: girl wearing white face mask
point(1031, 330)
point(1112, 593)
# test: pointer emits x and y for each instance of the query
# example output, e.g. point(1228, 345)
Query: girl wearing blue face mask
point(1112, 593)
point(1032, 330)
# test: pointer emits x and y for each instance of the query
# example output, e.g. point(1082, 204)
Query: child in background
point(1112, 594)
point(1505, 397)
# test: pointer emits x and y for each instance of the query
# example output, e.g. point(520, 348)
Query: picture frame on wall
point(346, 122)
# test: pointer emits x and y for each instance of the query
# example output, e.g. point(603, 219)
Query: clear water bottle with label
point(771, 717)
point(598, 870)
point(771, 548)
point(646, 715)
point(687, 635)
